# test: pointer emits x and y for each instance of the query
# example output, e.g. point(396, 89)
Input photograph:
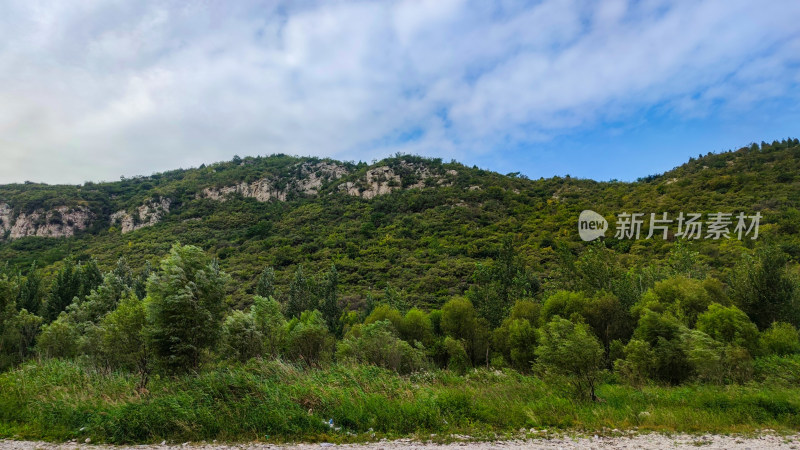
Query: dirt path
point(645, 441)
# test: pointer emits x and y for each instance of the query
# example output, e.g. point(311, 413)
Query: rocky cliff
point(61, 221)
point(293, 181)
point(145, 215)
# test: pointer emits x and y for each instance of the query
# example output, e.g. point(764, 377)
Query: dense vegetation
point(435, 310)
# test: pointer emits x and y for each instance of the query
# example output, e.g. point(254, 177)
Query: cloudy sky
point(92, 90)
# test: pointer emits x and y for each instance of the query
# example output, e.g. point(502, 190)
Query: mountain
point(412, 225)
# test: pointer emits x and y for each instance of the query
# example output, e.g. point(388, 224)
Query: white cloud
point(95, 89)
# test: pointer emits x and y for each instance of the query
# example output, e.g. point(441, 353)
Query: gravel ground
point(642, 441)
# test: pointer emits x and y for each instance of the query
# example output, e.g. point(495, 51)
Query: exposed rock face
point(6, 217)
point(262, 190)
point(309, 182)
point(377, 181)
point(145, 215)
point(61, 221)
point(312, 176)
point(383, 180)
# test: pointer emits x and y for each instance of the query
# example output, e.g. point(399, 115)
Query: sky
point(94, 90)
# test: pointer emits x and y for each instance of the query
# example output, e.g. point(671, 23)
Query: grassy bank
point(60, 400)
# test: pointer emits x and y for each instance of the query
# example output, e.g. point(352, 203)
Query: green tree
point(241, 338)
point(597, 268)
point(385, 312)
point(90, 277)
point(266, 283)
point(185, 308)
point(704, 354)
point(521, 343)
point(101, 300)
point(662, 331)
point(8, 311)
point(684, 298)
point(378, 344)
point(762, 288)
point(416, 327)
point(270, 323)
point(140, 283)
point(123, 271)
point(59, 339)
point(515, 339)
point(457, 359)
point(780, 338)
point(30, 291)
point(566, 304)
point(330, 308)
point(309, 340)
point(302, 294)
point(639, 363)
point(729, 325)
point(570, 349)
point(66, 286)
point(608, 318)
point(460, 321)
point(498, 285)
point(685, 262)
point(18, 336)
point(123, 342)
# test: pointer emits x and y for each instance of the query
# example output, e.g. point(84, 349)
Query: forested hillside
point(413, 225)
point(177, 295)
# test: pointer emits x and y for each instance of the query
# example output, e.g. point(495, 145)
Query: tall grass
point(60, 400)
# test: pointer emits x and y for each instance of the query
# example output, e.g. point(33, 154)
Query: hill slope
point(417, 225)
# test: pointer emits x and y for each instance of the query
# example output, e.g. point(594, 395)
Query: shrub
point(269, 321)
point(781, 370)
point(516, 341)
point(705, 355)
point(639, 362)
point(122, 338)
point(566, 304)
point(241, 339)
point(684, 298)
point(385, 312)
point(309, 340)
point(59, 339)
point(570, 349)
point(663, 332)
point(416, 327)
point(378, 344)
point(780, 338)
point(763, 288)
point(729, 325)
point(457, 359)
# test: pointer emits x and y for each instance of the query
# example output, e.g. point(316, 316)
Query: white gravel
point(641, 441)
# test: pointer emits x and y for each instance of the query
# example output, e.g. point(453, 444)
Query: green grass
point(61, 400)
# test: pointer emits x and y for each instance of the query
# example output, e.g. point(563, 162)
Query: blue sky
point(91, 90)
